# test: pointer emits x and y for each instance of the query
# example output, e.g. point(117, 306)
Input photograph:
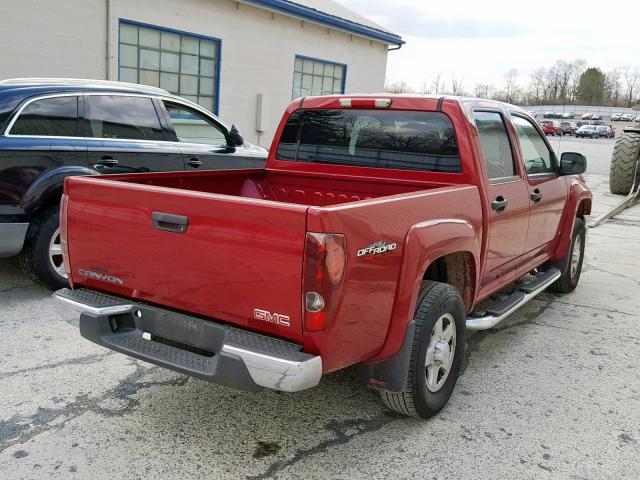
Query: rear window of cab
point(404, 140)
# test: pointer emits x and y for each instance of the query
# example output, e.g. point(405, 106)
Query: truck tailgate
point(239, 260)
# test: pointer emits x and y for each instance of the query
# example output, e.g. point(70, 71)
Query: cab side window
point(536, 155)
point(123, 116)
point(192, 127)
point(496, 146)
point(50, 117)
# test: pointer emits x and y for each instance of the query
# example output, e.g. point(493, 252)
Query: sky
point(478, 41)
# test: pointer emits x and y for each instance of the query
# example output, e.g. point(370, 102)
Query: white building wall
point(67, 38)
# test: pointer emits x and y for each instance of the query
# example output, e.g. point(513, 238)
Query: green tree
point(591, 88)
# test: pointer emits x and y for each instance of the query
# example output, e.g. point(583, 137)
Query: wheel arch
point(47, 189)
point(446, 249)
point(578, 205)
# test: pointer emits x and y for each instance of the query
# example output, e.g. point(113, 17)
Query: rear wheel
point(436, 356)
point(41, 259)
point(626, 153)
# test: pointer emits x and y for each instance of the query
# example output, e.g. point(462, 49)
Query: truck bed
point(277, 187)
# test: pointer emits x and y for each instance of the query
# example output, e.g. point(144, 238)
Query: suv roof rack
point(81, 81)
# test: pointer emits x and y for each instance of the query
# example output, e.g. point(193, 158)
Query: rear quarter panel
point(424, 225)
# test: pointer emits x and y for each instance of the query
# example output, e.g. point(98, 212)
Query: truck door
point(508, 198)
point(547, 189)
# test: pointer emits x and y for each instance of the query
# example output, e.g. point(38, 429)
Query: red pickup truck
point(381, 230)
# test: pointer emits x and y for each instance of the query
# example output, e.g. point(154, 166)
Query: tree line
point(570, 83)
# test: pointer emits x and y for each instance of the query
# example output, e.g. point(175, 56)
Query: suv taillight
point(324, 270)
point(64, 202)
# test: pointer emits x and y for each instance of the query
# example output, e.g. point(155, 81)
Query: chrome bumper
point(204, 349)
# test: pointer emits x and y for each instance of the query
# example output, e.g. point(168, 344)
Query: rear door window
point(496, 147)
point(404, 140)
point(118, 116)
point(50, 117)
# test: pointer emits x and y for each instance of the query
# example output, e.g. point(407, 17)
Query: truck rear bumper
point(201, 348)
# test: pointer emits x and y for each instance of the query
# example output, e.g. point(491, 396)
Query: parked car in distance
point(574, 127)
point(628, 117)
point(616, 117)
point(586, 116)
point(551, 127)
point(51, 129)
point(587, 131)
point(597, 122)
point(372, 236)
point(567, 128)
point(605, 131)
point(637, 119)
point(569, 115)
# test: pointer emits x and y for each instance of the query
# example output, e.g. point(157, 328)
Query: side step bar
point(512, 303)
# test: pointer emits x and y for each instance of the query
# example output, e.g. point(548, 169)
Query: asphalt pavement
point(553, 392)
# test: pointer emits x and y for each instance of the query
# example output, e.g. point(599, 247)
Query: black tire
point(626, 153)
point(569, 279)
point(434, 301)
point(34, 258)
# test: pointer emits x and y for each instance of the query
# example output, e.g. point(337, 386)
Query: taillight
point(324, 269)
point(63, 235)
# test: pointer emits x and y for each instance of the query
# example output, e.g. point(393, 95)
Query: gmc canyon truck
point(381, 230)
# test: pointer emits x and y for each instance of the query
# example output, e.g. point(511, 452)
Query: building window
point(313, 77)
point(182, 63)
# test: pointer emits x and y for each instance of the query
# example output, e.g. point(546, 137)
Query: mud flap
point(391, 373)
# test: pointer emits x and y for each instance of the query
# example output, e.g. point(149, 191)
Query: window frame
point(320, 60)
point(553, 157)
point(83, 129)
point(518, 171)
point(159, 28)
point(29, 101)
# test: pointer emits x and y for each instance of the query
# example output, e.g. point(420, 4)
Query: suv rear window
point(402, 140)
point(50, 117)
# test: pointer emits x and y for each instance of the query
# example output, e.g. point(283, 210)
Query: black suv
point(53, 128)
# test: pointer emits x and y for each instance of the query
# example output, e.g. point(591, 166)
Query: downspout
point(108, 37)
point(397, 47)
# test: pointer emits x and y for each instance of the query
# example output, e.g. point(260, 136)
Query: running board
point(513, 302)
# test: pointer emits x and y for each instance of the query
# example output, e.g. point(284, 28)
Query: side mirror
point(235, 137)
point(572, 163)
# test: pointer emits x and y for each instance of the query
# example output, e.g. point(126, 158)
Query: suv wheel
point(41, 259)
point(436, 357)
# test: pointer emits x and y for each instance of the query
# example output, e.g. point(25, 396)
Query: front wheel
point(569, 279)
point(437, 353)
point(41, 259)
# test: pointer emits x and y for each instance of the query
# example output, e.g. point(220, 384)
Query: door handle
point(169, 222)
point(195, 163)
point(107, 162)
point(536, 195)
point(499, 204)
